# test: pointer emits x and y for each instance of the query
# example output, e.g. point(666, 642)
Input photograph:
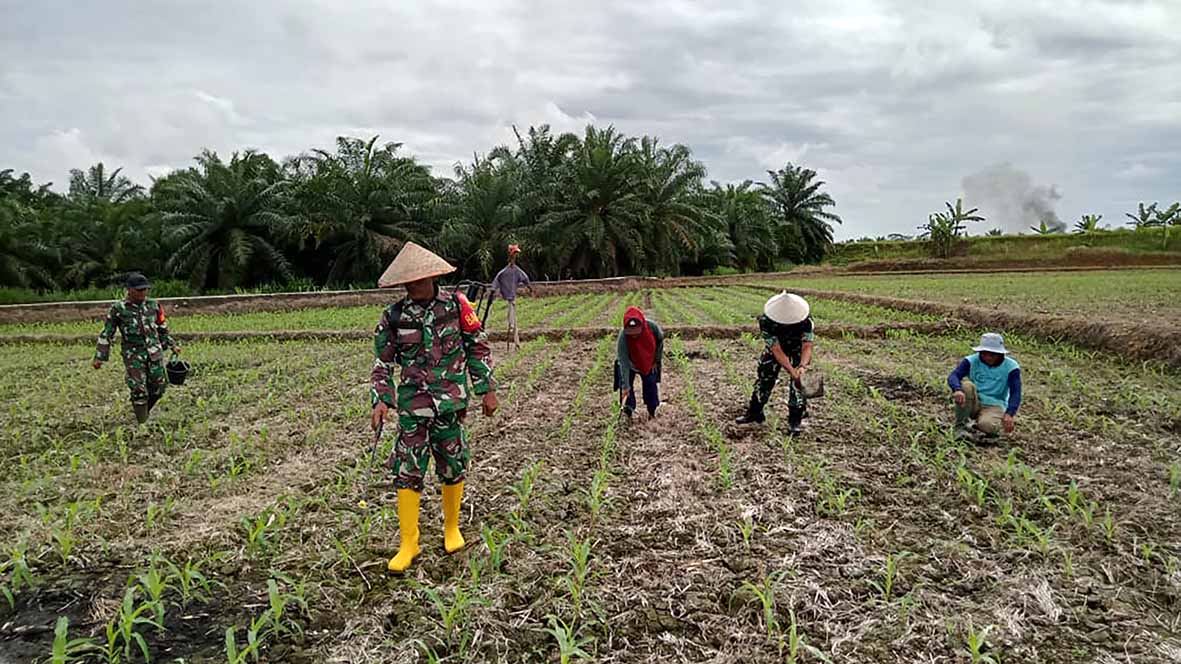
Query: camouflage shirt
point(437, 346)
point(143, 326)
point(791, 338)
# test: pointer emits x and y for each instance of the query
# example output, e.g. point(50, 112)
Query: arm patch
point(468, 320)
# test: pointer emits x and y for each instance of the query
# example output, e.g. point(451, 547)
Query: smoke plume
point(1009, 200)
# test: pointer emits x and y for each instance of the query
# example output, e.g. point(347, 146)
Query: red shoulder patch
point(160, 319)
point(468, 320)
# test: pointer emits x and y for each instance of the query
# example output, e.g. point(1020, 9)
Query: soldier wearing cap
point(788, 334)
point(986, 387)
point(144, 328)
point(437, 342)
point(505, 285)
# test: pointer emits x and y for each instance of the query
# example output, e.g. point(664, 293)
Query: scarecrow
point(505, 284)
point(986, 387)
point(787, 332)
point(141, 322)
point(437, 341)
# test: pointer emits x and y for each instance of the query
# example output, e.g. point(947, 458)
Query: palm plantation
point(597, 204)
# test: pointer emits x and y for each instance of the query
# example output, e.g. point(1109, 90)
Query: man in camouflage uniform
point(144, 328)
point(788, 333)
point(437, 342)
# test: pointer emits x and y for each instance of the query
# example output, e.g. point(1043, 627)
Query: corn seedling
point(65, 649)
point(190, 581)
point(523, 489)
point(495, 541)
point(579, 559)
point(977, 642)
point(1174, 478)
point(154, 583)
point(885, 587)
point(570, 645)
point(452, 613)
point(1109, 527)
point(764, 591)
point(123, 630)
point(746, 526)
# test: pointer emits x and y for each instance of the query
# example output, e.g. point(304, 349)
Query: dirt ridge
point(1138, 340)
point(684, 331)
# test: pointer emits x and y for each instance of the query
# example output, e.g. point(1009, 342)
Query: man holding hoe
point(141, 322)
point(437, 341)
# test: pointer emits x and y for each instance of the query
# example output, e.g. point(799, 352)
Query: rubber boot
point(141, 412)
point(408, 502)
point(754, 413)
point(795, 418)
point(153, 399)
point(452, 500)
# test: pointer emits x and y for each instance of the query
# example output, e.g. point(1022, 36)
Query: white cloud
point(892, 101)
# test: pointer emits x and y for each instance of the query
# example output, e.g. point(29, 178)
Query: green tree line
point(600, 204)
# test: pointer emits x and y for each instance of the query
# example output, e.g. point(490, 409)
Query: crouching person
point(787, 330)
point(986, 387)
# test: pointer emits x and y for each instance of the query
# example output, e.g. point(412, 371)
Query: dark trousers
point(650, 386)
point(768, 375)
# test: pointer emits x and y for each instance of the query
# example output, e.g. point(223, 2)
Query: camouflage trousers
point(420, 438)
point(768, 375)
point(145, 376)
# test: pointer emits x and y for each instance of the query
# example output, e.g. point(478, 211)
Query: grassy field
point(686, 306)
point(232, 517)
point(1125, 244)
point(1133, 295)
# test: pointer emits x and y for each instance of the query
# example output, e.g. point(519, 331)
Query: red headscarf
point(641, 348)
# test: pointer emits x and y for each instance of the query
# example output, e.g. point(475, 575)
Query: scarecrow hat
point(991, 342)
point(786, 308)
point(514, 249)
point(411, 264)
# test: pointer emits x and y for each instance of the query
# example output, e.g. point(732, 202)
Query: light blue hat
point(991, 342)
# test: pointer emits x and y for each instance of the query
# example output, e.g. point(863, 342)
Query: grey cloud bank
point(895, 104)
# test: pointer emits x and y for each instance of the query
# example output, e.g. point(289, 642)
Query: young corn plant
point(67, 650)
point(123, 631)
point(495, 541)
point(746, 526)
point(570, 645)
point(764, 591)
point(977, 642)
point(579, 558)
point(889, 578)
point(452, 614)
point(523, 489)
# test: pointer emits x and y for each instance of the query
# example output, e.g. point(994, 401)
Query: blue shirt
point(998, 386)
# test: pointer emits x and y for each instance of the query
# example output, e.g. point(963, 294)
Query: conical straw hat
point(786, 308)
point(411, 264)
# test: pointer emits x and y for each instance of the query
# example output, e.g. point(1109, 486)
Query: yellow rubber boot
point(408, 501)
point(452, 498)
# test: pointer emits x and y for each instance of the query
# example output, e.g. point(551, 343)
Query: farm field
point(681, 306)
point(873, 537)
point(1133, 295)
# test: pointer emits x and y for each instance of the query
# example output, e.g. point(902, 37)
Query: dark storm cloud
point(894, 103)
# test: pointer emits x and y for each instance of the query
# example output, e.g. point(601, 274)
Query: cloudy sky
point(893, 102)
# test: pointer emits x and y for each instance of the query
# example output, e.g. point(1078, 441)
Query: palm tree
point(749, 224)
point(959, 215)
point(24, 254)
point(678, 220)
point(801, 212)
point(482, 213)
point(1145, 217)
point(595, 226)
point(98, 186)
point(361, 204)
point(225, 220)
point(1088, 224)
point(1043, 228)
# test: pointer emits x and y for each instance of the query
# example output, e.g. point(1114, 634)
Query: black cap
point(632, 322)
point(136, 281)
